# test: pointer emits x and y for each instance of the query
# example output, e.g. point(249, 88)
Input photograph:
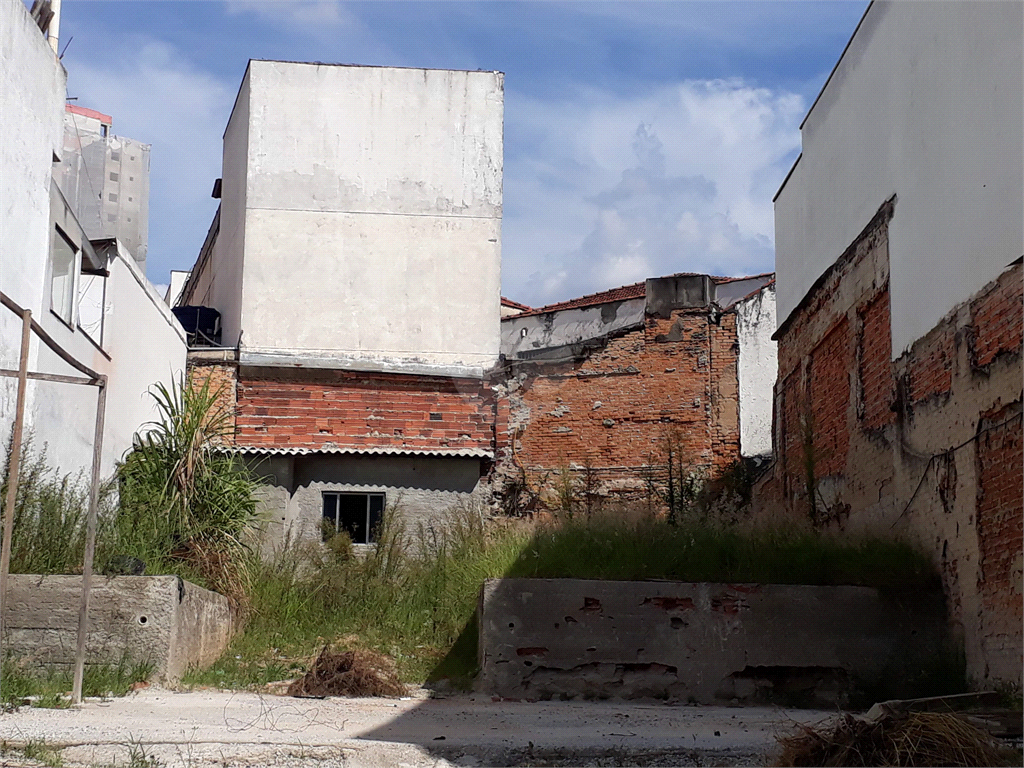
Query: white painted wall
point(142, 342)
point(372, 218)
point(223, 272)
point(32, 90)
point(925, 104)
point(178, 279)
point(757, 369)
point(146, 345)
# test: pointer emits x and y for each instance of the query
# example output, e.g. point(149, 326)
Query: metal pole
point(90, 542)
point(53, 32)
point(13, 469)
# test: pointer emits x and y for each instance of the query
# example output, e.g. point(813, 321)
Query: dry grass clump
point(907, 739)
point(349, 673)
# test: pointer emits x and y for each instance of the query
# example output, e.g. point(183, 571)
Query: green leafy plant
point(49, 687)
point(50, 509)
point(184, 498)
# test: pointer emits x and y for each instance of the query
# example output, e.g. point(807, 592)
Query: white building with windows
point(105, 178)
point(90, 296)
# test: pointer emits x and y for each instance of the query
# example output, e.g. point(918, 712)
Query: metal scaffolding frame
point(92, 379)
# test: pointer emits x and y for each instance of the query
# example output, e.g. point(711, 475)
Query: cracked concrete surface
point(207, 728)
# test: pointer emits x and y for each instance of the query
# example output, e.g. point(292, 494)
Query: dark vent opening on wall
point(201, 324)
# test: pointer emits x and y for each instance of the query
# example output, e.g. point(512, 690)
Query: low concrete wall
point(162, 619)
point(544, 638)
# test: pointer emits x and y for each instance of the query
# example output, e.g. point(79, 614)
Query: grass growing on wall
point(630, 547)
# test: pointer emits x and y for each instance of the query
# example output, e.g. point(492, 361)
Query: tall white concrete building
point(355, 262)
point(105, 179)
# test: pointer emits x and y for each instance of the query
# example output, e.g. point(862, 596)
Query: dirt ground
point(156, 727)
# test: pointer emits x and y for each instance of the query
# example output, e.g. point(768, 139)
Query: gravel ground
point(156, 727)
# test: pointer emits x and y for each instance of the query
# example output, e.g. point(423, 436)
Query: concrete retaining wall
point(162, 619)
point(544, 638)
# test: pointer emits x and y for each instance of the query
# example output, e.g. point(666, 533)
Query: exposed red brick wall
point(997, 319)
point(1000, 510)
point(877, 384)
point(725, 434)
point(221, 377)
point(831, 362)
point(793, 402)
point(363, 410)
point(932, 371)
point(899, 455)
point(613, 409)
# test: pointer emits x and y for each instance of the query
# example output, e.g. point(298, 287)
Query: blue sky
point(641, 138)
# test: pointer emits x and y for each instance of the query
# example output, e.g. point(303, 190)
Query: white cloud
point(604, 190)
point(310, 15)
point(157, 96)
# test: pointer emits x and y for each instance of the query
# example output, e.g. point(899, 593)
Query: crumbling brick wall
point(928, 445)
point(604, 414)
point(221, 375)
point(284, 408)
point(1000, 506)
point(835, 387)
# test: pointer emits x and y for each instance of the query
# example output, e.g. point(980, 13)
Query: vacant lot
point(162, 728)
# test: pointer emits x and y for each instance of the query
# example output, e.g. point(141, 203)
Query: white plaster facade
point(360, 221)
point(178, 279)
point(117, 324)
point(925, 104)
point(757, 368)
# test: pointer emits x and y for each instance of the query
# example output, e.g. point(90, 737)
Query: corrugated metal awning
point(269, 450)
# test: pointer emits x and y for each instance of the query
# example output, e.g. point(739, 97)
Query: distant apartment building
point(105, 179)
point(899, 242)
point(355, 265)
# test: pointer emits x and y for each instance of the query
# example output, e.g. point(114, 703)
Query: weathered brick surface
point(1000, 509)
point(313, 409)
point(830, 364)
point(877, 387)
point(819, 371)
point(791, 406)
point(612, 410)
point(913, 455)
point(997, 320)
point(931, 373)
point(222, 382)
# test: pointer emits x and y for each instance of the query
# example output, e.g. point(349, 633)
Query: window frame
point(71, 294)
point(336, 496)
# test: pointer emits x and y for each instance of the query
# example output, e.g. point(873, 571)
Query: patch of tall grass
point(410, 597)
point(177, 503)
point(414, 595)
point(185, 504)
point(49, 515)
point(624, 546)
point(49, 686)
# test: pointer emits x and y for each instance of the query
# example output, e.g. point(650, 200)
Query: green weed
point(622, 546)
point(49, 686)
point(41, 752)
point(410, 597)
point(414, 596)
